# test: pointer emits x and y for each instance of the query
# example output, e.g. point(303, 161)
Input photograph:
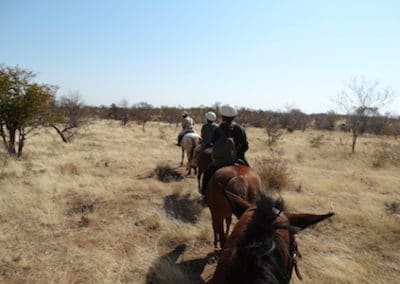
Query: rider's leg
point(211, 169)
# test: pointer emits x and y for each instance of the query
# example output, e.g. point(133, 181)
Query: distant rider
point(207, 131)
point(187, 126)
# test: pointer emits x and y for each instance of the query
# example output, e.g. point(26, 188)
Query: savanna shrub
point(386, 153)
point(274, 171)
point(316, 141)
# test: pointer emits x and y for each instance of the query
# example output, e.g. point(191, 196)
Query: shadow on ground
point(167, 270)
point(184, 208)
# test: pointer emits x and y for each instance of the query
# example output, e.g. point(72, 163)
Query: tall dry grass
point(94, 212)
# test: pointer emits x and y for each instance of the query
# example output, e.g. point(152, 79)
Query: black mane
point(257, 259)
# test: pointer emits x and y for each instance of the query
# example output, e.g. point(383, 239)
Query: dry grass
point(386, 153)
point(88, 212)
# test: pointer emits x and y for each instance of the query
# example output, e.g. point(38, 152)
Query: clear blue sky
point(259, 54)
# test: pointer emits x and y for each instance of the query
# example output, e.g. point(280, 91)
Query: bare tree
point(362, 99)
point(273, 131)
point(142, 113)
point(67, 115)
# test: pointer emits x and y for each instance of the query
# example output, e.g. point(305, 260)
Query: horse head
point(262, 247)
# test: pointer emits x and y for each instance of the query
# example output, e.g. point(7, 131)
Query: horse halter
point(293, 248)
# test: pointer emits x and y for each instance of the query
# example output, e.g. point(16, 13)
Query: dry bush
point(393, 207)
point(167, 174)
point(316, 141)
point(69, 169)
point(184, 208)
point(386, 153)
point(274, 171)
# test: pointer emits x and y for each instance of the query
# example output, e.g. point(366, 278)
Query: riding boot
point(211, 169)
point(180, 136)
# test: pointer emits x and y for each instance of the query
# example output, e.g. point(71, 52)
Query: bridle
point(293, 248)
point(294, 253)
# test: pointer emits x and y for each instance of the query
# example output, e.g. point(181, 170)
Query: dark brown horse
point(203, 160)
point(262, 247)
point(241, 181)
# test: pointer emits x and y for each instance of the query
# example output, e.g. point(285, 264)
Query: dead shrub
point(163, 135)
point(386, 153)
point(183, 208)
point(316, 141)
point(393, 207)
point(274, 171)
point(165, 173)
point(81, 204)
point(153, 222)
point(69, 169)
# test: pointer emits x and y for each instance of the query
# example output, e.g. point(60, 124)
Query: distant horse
point(239, 180)
point(203, 160)
point(262, 247)
point(188, 143)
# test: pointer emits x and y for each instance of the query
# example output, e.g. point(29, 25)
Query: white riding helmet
point(211, 116)
point(185, 114)
point(228, 111)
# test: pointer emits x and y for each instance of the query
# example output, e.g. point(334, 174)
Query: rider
point(187, 126)
point(207, 131)
point(229, 144)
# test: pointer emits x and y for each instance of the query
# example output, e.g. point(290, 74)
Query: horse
point(240, 180)
point(188, 143)
point(203, 160)
point(262, 247)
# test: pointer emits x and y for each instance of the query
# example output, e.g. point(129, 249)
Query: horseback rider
point(207, 131)
point(229, 143)
point(187, 126)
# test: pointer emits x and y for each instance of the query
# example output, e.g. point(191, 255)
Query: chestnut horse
point(239, 180)
point(262, 247)
point(203, 160)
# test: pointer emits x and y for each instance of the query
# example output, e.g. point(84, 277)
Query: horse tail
point(236, 192)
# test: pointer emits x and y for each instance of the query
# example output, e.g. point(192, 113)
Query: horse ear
point(304, 220)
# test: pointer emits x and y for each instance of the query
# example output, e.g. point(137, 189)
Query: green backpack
point(224, 151)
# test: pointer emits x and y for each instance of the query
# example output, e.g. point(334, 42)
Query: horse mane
point(258, 260)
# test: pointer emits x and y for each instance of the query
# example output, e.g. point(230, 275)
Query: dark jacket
point(239, 136)
point(207, 131)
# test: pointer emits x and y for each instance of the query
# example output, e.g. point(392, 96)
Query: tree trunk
point(353, 145)
point(21, 142)
point(60, 133)
point(11, 141)
point(3, 135)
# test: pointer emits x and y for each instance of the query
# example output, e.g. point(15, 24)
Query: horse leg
point(228, 221)
point(188, 167)
point(218, 228)
point(199, 180)
point(183, 156)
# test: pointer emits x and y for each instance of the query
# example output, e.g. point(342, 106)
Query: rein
point(293, 248)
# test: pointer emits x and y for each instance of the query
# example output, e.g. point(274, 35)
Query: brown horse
point(262, 247)
point(239, 180)
point(203, 160)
